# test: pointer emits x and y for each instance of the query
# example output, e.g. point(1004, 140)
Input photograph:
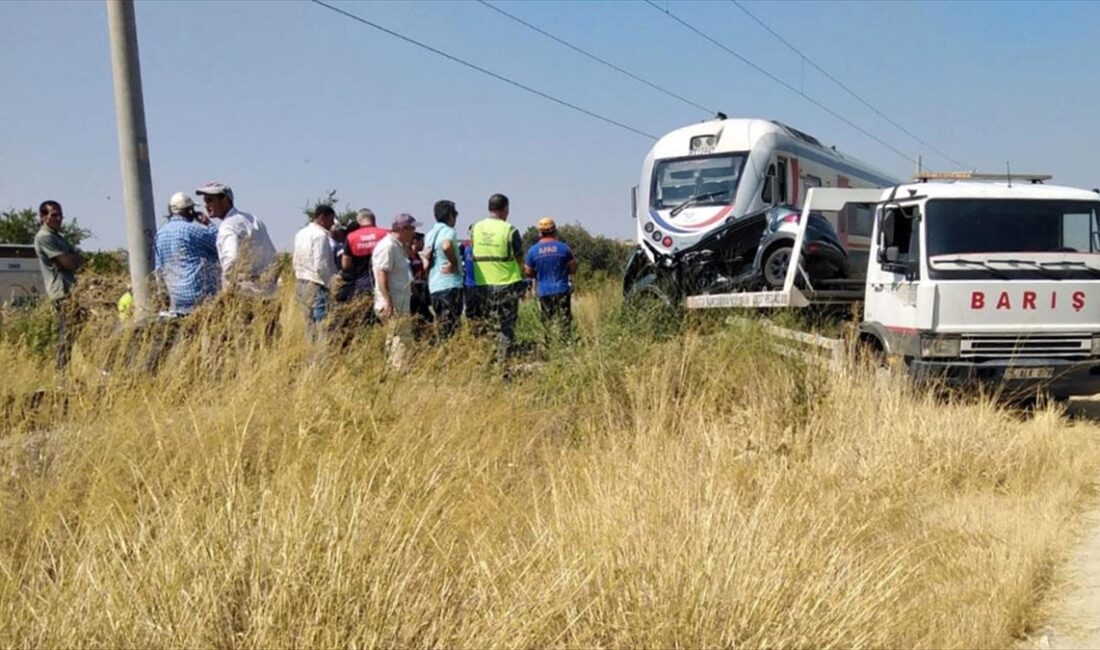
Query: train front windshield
point(699, 181)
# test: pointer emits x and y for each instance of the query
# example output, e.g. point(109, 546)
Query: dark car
point(744, 254)
point(824, 257)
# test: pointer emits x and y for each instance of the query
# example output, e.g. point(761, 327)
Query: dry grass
point(631, 491)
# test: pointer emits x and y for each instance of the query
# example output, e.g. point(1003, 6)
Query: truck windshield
point(961, 226)
point(713, 179)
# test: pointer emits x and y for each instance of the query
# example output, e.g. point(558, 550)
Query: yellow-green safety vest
point(494, 260)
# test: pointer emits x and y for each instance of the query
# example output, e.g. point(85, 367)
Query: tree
point(20, 226)
point(346, 217)
point(596, 255)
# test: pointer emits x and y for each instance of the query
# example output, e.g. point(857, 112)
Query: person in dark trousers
point(355, 261)
point(59, 261)
point(498, 260)
point(551, 263)
point(421, 301)
point(445, 279)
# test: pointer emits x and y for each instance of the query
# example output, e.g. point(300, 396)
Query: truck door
point(893, 276)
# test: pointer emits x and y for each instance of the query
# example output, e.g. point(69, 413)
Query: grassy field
point(639, 489)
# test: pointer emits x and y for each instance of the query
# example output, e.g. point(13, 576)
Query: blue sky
point(286, 100)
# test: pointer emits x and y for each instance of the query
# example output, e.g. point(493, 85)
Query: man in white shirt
point(393, 286)
point(245, 250)
point(315, 265)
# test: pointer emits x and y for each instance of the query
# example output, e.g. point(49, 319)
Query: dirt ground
point(1076, 623)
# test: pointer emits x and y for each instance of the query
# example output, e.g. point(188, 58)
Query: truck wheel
point(870, 352)
point(775, 266)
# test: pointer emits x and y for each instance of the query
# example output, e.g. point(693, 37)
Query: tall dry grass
point(633, 490)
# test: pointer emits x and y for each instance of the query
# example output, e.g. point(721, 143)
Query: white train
point(699, 180)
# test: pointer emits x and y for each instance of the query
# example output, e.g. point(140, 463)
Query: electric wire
point(779, 81)
point(843, 86)
point(598, 59)
point(485, 71)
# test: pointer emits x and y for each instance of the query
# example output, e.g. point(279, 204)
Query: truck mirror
point(887, 230)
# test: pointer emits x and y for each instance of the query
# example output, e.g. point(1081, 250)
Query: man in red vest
point(355, 272)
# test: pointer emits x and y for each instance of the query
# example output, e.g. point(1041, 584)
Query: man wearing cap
point(355, 262)
point(59, 261)
point(445, 277)
point(245, 250)
point(314, 267)
point(186, 257)
point(498, 258)
point(393, 286)
point(551, 263)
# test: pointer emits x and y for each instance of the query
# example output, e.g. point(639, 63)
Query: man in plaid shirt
point(187, 257)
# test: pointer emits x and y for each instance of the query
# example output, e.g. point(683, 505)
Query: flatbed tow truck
point(971, 279)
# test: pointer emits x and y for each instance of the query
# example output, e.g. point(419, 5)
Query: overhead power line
point(843, 86)
point(779, 81)
point(485, 71)
point(596, 58)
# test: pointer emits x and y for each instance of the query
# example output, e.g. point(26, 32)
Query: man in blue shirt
point(445, 279)
point(186, 257)
point(551, 263)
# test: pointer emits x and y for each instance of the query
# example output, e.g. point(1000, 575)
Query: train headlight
point(704, 143)
point(939, 346)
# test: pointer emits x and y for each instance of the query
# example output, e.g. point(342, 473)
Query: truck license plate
point(1029, 373)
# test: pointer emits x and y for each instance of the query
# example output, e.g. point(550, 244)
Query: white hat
point(180, 202)
point(214, 187)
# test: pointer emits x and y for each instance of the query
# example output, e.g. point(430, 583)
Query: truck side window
point(912, 256)
point(902, 233)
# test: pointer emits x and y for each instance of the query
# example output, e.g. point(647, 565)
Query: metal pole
point(133, 147)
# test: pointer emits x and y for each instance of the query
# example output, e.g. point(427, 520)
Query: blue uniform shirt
point(550, 259)
point(468, 265)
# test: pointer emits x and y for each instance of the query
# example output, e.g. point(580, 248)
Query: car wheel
point(775, 266)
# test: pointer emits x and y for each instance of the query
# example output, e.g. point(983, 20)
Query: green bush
point(106, 262)
point(599, 258)
point(30, 326)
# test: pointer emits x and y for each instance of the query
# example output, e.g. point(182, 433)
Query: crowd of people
point(409, 282)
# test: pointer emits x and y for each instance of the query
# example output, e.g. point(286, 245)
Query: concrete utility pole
point(133, 147)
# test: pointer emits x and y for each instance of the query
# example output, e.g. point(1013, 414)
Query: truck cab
point(988, 282)
point(971, 279)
